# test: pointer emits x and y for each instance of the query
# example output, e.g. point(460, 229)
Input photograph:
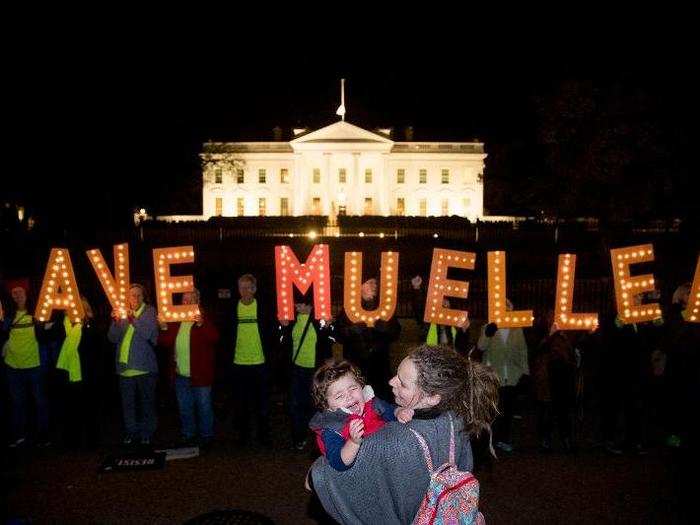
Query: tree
point(604, 151)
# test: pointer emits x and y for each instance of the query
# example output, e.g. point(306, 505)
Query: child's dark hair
point(328, 373)
point(467, 388)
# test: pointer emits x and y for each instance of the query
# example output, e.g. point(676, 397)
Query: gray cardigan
point(141, 354)
point(389, 478)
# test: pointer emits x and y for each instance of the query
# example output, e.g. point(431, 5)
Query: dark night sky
point(86, 107)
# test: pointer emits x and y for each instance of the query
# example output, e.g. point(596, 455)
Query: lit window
point(423, 176)
point(284, 175)
point(400, 176)
point(368, 176)
point(240, 178)
point(423, 207)
point(219, 207)
point(218, 176)
point(317, 176)
point(445, 176)
point(445, 206)
point(368, 206)
point(400, 206)
point(284, 206)
point(316, 206)
point(262, 206)
point(262, 176)
point(240, 206)
point(342, 176)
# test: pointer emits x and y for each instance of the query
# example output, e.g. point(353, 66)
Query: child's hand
point(404, 415)
point(357, 430)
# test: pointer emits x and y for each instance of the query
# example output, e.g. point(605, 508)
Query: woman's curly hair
point(467, 388)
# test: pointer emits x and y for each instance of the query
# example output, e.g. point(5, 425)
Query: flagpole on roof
point(341, 109)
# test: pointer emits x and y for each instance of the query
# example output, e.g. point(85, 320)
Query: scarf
point(128, 336)
point(69, 358)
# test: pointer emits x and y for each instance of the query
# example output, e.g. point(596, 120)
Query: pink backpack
point(452, 497)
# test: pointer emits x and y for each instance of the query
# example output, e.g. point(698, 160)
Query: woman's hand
point(357, 430)
point(416, 282)
point(404, 415)
point(198, 320)
point(307, 486)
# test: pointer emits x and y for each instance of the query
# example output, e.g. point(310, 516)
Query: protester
point(80, 362)
point(682, 370)
point(25, 374)
point(367, 346)
point(254, 330)
point(135, 338)
point(307, 341)
point(505, 350)
point(625, 370)
point(554, 375)
point(432, 333)
point(192, 345)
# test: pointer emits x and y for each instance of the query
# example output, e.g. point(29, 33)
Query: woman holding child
point(387, 478)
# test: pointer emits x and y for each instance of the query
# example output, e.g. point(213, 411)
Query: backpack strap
point(303, 336)
point(426, 451)
point(452, 441)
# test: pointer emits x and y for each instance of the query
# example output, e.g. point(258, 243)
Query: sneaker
point(127, 441)
point(17, 443)
point(505, 447)
point(43, 443)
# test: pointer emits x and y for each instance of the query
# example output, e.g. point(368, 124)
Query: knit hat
point(17, 283)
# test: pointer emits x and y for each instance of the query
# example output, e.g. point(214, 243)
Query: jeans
point(250, 390)
point(21, 382)
point(191, 399)
point(301, 407)
point(139, 405)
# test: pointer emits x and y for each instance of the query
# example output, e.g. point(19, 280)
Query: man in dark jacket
point(307, 341)
point(437, 334)
point(368, 347)
point(254, 333)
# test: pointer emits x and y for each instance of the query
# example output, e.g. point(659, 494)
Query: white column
point(299, 184)
point(356, 186)
point(328, 194)
point(384, 181)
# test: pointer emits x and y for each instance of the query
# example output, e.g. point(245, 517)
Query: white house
point(342, 169)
